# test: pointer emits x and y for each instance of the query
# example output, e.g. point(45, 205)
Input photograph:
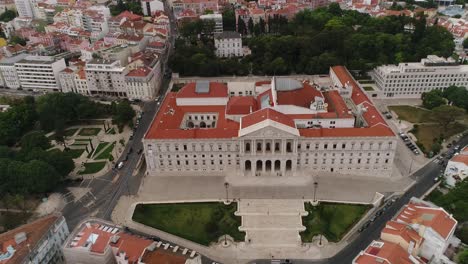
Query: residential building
point(67, 80)
point(228, 44)
point(216, 19)
point(198, 6)
point(106, 77)
point(386, 253)
point(151, 6)
point(39, 72)
point(281, 127)
point(410, 80)
point(143, 82)
point(98, 241)
point(420, 233)
point(25, 8)
point(34, 243)
point(8, 75)
point(457, 168)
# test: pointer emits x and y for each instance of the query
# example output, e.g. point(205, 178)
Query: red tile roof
point(215, 90)
point(133, 246)
point(264, 114)
point(241, 105)
point(462, 158)
point(436, 218)
point(130, 16)
point(139, 72)
point(336, 104)
point(301, 97)
point(67, 70)
point(34, 233)
point(167, 123)
point(162, 257)
point(388, 253)
point(404, 231)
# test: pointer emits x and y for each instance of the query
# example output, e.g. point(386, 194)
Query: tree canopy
point(8, 15)
point(316, 39)
point(433, 99)
point(447, 114)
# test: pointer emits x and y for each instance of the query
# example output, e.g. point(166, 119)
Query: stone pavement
point(274, 205)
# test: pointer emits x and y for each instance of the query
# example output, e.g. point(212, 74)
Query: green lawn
point(366, 81)
point(70, 132)
point(107, 152)
point(412, 114)
point(89, 131)
point(331, 220)
point(177, 86)
point(81, 139)
point(111, 131)
point(427, 134)
point(199, 222)
point(368, 88)
point(93, 167)
point(100, 147)
point(80, 143)
point(75, 153)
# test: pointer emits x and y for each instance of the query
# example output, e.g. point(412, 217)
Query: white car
point(121, 164)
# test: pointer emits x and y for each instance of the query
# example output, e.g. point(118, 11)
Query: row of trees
point(453, 95)
point(132, 6)
point(315, 40)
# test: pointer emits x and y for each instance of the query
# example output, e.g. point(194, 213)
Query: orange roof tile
point(300, 97)
point(384, 253)
point(34, 233)
point(215, 90)
point(264, 114)
point(241, 105)
point(436, 218)
point(460, 158)
point(402, 230)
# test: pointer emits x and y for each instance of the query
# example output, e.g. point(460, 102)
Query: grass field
point(89, 131)
point(428, 133)
point(199, 222)
point(100, 147)
point(107, 152)
point(368, 88)
point(412, 114)
point(93, 167)
point(75, 153)
point(70, 132)
point(331, 220)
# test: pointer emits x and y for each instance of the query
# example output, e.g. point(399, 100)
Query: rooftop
point(385, 253)
point(15, 251)
point(422, 213)
point(228, 35)
point(462, 158)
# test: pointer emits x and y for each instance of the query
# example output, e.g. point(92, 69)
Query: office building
point(228, 44)
point(39, 72)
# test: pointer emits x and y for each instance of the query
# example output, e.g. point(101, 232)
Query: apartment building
point(143, 83)
point(228, 44)
point(98, 241)
point(216, 19)
point(410, 80)
point(35, 243)
point(39, 72)
point(457, 168)
point(106, 77)
point(280, 128)
point(420, 233)
point(149, 7)
point(8, 76)
point(25, 8)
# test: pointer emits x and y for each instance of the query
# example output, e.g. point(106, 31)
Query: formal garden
point(202, 223)
point(331, 220)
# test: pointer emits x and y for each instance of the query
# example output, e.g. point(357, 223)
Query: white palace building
point(276, 128)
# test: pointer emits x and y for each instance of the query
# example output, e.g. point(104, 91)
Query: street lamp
point(226, 186)
point(315, 191)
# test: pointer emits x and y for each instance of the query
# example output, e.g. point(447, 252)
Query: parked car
point(120, 165)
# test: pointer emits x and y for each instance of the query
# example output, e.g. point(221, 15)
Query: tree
point(123, 114)
point(35, 139)
point(432, 99)
point(335, 9)
point(457, 96)
point(465, 43)
point(17, 40)
point(262, 25)
point(8, 15)
point(241, 28)
point(447, 114)
point(229, 20)
point(463, 257)
point(250, 26)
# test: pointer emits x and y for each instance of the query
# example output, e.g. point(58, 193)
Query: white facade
point(25, 8)
point(410, 80)
point(106, 77)
point(217, 20)
point(144, 86)
point(228, 44)
point(39, 72)
point(151, 6)
point(457, 168)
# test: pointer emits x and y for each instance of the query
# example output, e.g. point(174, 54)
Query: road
point(424, 181)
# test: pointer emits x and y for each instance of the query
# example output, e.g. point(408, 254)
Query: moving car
point(121, 164)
